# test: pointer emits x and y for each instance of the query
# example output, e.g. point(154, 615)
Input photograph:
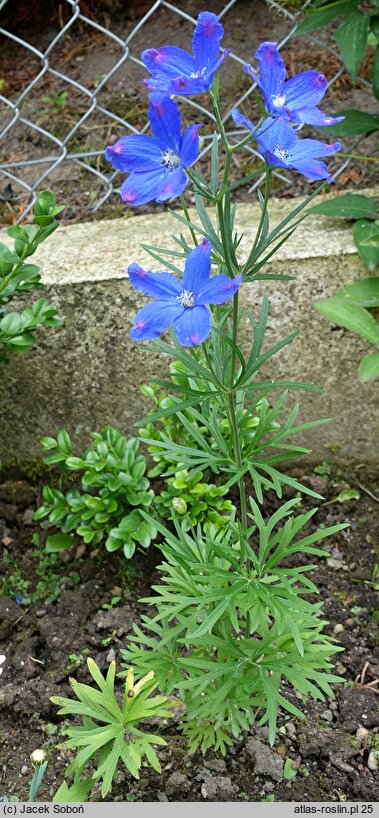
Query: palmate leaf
point(119, 739)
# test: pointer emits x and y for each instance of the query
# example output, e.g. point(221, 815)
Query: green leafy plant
point(114, 489)
point(56, 102)
point(18, 276)
point(74, 793)
point(350, 309)
point(264, 445)
point(363, 212)
point(358, 29)
point(164, 420)
point(194, 501)
point(240, 609)
point(49, 578)
point(109, 734)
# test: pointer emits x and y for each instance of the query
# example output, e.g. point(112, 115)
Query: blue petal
point(189, 86)
point(272, 71)
point(189, 145)
point(206, 40)
point(193, 326)
point(164, 119)
point(172, 185)
point(253, 75)
point(140, 188)
point(304, 90)
point(198, 267)
point(219, 289)
point(312, 148)
point(153, 319)
point(157, 285)
point(313, 116)
point(181, 85)
point(162, 84)
point(136, 152)
point(240, 119)
point(312, 169)
point(168, 60)
point(275, 132)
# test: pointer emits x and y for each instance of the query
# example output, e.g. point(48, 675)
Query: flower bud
point(38, 756)
point(179, 505)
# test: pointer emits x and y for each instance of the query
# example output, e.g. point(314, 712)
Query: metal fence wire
point(53, 149)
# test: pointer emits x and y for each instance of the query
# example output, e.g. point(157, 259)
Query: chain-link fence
point(75, 90)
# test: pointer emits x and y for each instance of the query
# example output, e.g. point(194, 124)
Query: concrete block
point(88, 373)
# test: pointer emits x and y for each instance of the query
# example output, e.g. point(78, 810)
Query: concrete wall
point(88, 373)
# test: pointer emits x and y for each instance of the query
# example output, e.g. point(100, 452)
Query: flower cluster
point(157, 164)
point(281, 147)
point(294, 100)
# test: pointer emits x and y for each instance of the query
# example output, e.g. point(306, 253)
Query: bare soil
point(67, 616)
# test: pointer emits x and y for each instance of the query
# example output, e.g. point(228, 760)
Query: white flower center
point(186, 298)
point(280, 153)
point(279, 100)
point(170, 159)
point(200, 73)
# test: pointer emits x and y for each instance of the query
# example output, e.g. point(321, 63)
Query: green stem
point(224, 239)
point(263, 215)
point(187, 215)
point(223, 215)
point(238, 459)
point(360, 156)
point(217, 114)
point(210, 366)
point(235, 325)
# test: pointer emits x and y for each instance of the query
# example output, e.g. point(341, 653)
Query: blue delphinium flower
point(175, 71)
point(182, 303)
point(280, 145)
point(19, 599)
point(156, 164)
point(295, 99)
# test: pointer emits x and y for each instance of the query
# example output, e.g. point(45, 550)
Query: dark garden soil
point(85, 55)
point(67, 615)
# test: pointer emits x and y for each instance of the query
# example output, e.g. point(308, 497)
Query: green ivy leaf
point(319, 18)
point(375, 73)
point(366, 237)
point(351, 38)
point(289, 770)
point(369, 367)
point(355, 123)
point(64, 442)
point(348, 494)
point(350, 316)
point(58, 542)
point(364, 293)
point(45, 203)
point(347, 206)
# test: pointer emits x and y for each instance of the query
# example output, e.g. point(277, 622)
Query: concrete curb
point(88, 373)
